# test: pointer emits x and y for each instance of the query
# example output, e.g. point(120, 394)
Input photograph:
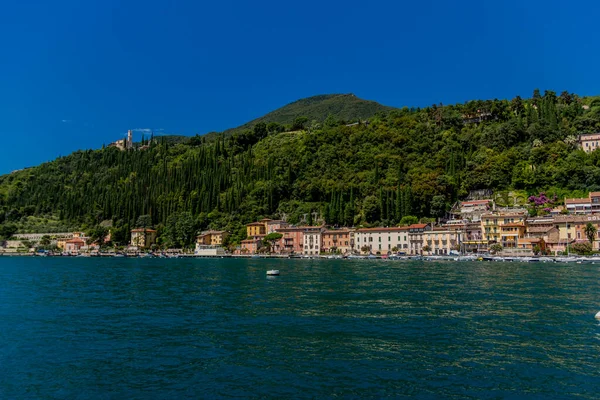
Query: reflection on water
point(323, 328)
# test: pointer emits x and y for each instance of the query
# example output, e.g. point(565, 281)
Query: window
point(380, 238)
point(398, 238)
point(389, 246)
point(379, 247)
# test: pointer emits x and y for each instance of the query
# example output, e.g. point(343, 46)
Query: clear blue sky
point(77, 74)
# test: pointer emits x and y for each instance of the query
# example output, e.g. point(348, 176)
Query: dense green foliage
point(409, 162)
point(345, 107)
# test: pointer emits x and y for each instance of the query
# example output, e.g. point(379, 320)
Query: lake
point(94, 328)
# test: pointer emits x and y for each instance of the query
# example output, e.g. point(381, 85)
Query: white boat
point(273, 272)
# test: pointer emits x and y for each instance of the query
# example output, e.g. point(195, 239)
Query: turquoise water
point(155, 329)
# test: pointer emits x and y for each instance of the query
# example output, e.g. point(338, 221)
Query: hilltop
point(342, 107)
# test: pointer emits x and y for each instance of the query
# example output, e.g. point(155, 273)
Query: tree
point(408, 220)
point(298, 123)
point(438, 205)
point(271, 238)
point(426, 248)
point(45, 241)
point(581, 248)
point(496, 248)
point(6, 231)
point(144, 221)
point(365, 249)
point(590, 232)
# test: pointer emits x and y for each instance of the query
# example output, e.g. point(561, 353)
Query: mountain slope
point(409, 162)
point(344, 107)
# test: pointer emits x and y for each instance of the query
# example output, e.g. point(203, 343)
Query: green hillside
point(343, 107)
point(408, 162)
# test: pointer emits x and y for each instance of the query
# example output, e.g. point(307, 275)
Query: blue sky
point(78, 74)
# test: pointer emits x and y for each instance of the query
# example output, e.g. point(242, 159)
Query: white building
point(383, 240)
point(312, 240)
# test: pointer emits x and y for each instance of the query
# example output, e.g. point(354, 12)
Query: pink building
point(74, 245)
point(250, 246)
point(291, 242)
point(275, 225)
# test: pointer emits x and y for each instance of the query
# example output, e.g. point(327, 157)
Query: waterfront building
point(311, 237)
point(383, 240)
point(337, 240)
point(471, 238)
point(251, 245)
point(572, 229)
point(442, 240)
point(211, 238)
point(291, 242)
point(415, 237)
point(143, 238)
point(74, 245)
point(505, 228)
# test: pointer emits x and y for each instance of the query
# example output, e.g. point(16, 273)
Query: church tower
point(129, 140)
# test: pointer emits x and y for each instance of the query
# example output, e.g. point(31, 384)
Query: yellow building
point(212, 238)
point(143, 238)
point(503, 228)
point(257, 228)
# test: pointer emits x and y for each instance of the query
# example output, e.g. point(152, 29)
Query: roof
point(530, 240)
point(577, 201)
point(335, 231)
point(211, 233)
point(514, 225)
point(474, 202)
point(417, 226)
point(540, 229)
point(256, 224)
point(143, 230)
point(594, 194)
point(384, 229)
point(75, 240)
point(590, 136)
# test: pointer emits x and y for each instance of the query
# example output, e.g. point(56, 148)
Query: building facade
point(337, 240)
point(311, 237)
point(383, 240)
point(143, 238)
point(589, 143)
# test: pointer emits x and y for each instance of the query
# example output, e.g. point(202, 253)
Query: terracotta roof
point(530, 240)
point(336, 231)
point(142, 230)
point(594, 194)
point(514, 225)
point(256, 224)
point(577, 201)
point(76, 240)
point(417, 226)
point(382, 229)
point(539, 229)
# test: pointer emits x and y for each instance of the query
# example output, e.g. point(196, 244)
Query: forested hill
point(408, 162)
point(343, 107)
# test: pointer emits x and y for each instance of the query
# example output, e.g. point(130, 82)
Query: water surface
point(206, 328)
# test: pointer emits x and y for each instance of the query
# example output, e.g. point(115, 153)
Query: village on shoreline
point(477, 229)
